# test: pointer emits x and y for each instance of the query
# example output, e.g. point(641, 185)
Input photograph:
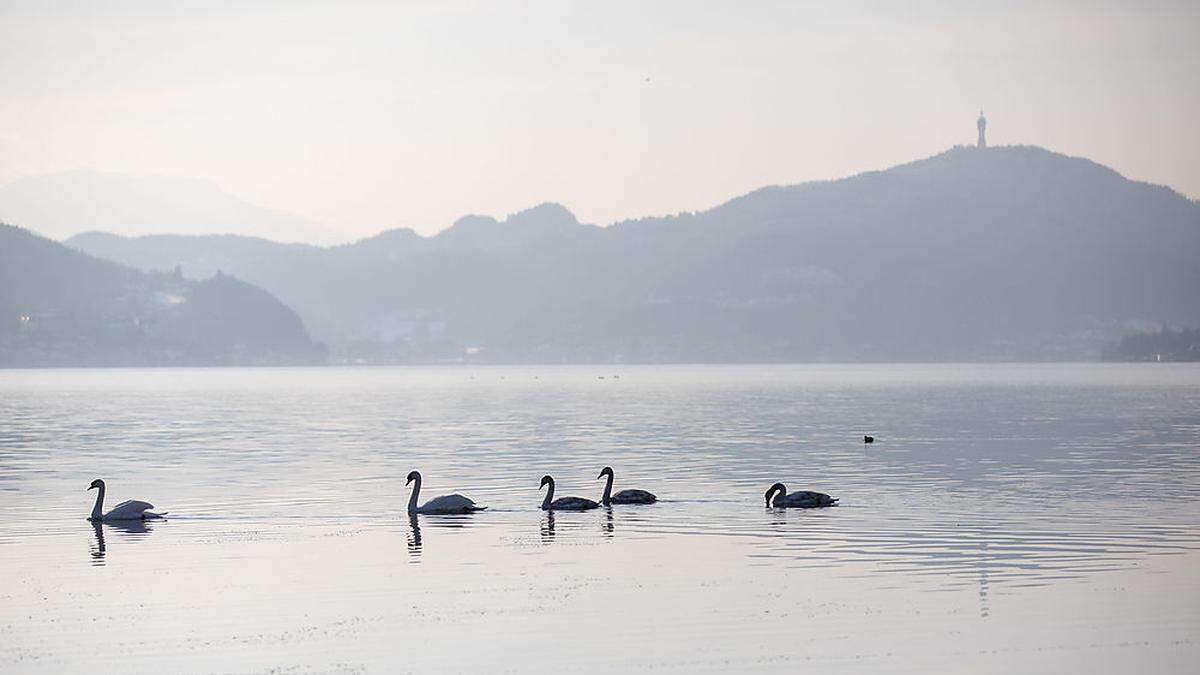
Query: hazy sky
point(367, 116)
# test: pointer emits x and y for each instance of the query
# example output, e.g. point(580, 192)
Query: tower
point(982, 124)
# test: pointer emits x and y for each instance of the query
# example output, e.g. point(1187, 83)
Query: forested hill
point(61, 307)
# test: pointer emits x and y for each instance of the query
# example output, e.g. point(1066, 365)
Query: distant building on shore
point(981, 123)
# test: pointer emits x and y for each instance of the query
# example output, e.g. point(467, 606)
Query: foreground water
point(1034, 518)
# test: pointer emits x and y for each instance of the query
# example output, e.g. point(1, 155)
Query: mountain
point(61, 307)
point(1162, 345)
point(63, 204)
point(973, 254)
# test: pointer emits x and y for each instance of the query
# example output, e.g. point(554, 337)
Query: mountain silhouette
point(972, 254)
point(61, 307)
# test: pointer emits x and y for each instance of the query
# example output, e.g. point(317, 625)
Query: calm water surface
point(1010, 518)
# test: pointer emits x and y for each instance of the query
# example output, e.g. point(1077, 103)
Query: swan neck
point(98, 509)
point(608, 481)
point(549, 496)
point(412, 499)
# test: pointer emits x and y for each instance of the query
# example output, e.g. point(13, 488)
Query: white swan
point(800, 500)
point(563, 503)
point(129, 510)
point(445, 504)
point(624, 496)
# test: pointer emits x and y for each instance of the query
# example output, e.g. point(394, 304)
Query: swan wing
point(807, 499)
point(634, 497)
point(455, 503)
point(573, 504)
point(130, 510)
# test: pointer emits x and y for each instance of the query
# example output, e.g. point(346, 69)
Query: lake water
point(1009, 518)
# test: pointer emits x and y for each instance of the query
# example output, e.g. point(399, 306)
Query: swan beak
point(90, 487)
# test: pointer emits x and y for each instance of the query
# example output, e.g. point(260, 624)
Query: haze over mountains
point(973, 254)
point(63, 204)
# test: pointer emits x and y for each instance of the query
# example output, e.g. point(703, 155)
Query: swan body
point(446, 504)
point(624, 496)
point(803, 499)
point(126, 510)
point(564, 503)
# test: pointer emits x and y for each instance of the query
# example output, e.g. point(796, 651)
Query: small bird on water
point(868, 439)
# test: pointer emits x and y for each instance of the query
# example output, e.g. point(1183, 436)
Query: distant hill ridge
point(62, 307)
point(1001, 253)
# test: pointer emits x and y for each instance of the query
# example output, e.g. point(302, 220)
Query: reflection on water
point(98, 549)
point(983, 580)
point(450, 521)
point(1056, 503)
point(132, 528)
point(414, 537)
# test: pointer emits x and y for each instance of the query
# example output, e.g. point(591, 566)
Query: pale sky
point(371, 115)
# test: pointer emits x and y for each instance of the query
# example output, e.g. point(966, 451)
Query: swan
point(868, 439)
point(803, 499)
point(624, 496)
point(563, 503)
point(455, 503)
point(128, 510)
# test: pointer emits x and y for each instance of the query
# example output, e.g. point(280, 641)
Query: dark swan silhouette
point(563, 503)
point(127, 510)
point(624, 496)
point(446, 504)
point(798, 500)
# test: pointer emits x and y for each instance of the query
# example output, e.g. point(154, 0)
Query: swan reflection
point(99, 548)
point(548, 527)
point(984, 609)
point(607, 525)
point(414, 536)
point(456, 521)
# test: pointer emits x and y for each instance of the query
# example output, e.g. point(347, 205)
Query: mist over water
point(1008, 518)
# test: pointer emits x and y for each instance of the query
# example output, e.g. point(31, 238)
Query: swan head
point(546, 480)
point(96, 484)
point(778, 487)
point(413, 475)
point(606, 471)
